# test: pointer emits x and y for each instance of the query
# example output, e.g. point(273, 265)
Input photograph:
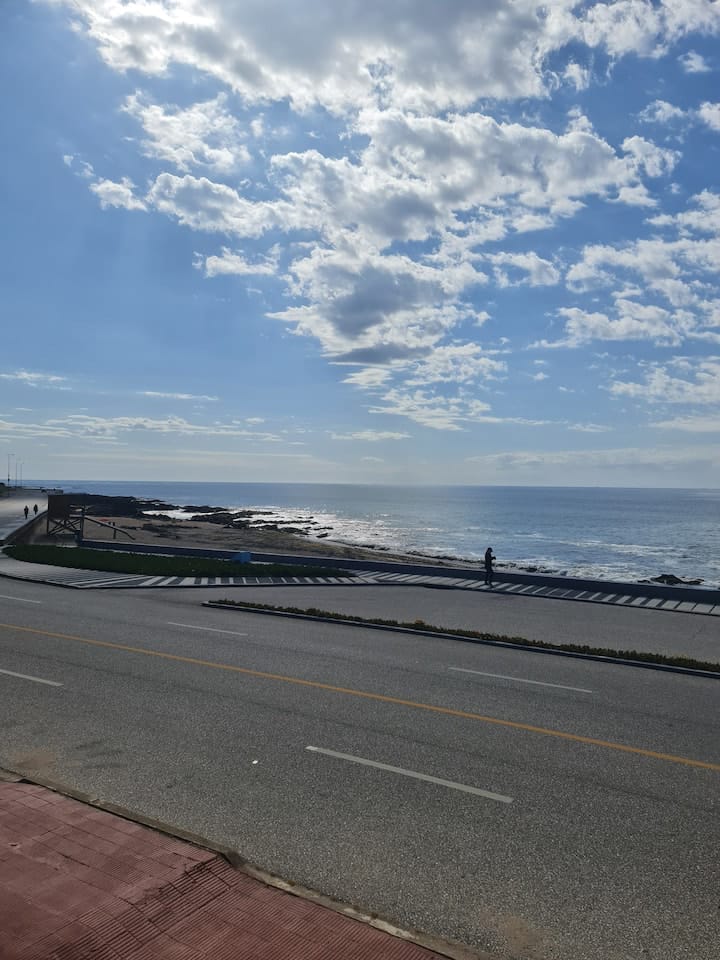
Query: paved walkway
point(12, 515)
point(94, 579)
point(79, 883)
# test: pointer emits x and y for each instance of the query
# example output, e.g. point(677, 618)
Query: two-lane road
point(531, 806)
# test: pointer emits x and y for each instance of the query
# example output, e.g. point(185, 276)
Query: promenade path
point(603, 593)
point(12, 516)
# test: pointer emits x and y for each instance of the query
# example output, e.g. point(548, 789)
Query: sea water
point(605, 533)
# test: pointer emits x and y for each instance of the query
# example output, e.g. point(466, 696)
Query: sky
point(388, 241)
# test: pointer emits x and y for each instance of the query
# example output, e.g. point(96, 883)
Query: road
point(520, 837)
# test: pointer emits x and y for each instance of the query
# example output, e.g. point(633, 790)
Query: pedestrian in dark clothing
point(35, 509)
point(27, 511)
point(489, 566)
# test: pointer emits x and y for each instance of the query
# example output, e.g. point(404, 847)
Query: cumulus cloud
point(660, 111)
point(383, 239)
point(114, 194)
point(415, 54)
point(206, 134)
point(632, 321)
point(660, 385)
point(430, 409)
point(693, 62)
point(709, 113)
point(676, 278)
point(455, 363)
point(235, 263)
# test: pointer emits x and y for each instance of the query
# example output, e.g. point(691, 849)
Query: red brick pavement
point(78, 883)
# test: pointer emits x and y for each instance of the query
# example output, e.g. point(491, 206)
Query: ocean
point(603, 533)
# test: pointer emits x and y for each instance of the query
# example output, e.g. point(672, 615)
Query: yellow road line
point(382, 698)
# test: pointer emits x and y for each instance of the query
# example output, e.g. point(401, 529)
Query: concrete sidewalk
point(80, 883)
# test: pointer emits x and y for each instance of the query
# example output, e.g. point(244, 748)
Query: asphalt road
point(537, 844)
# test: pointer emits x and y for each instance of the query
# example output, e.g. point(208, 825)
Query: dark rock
point(670, 580)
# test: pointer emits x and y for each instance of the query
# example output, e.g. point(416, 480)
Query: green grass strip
point(662, 659)
point(150, 565)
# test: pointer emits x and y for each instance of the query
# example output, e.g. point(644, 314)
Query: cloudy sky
point(468, 241)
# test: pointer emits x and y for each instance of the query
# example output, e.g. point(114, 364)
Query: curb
point(665, 668)
point(446, 948)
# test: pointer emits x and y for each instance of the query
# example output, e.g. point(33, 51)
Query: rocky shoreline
point(261, 530)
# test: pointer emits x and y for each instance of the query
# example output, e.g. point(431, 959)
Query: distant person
point(27, 511)
point(35, 509)
point(489, 566)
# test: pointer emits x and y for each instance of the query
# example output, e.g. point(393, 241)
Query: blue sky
point(392, 241)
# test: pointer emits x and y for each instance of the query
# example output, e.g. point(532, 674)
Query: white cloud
point(203, 135)
point(696, 424)
point(633, 321)
point(702, 388)
point(235, 263)
point(606, 462)
point(525, 268)
point(578, 76)
point(113, 194)
point(83, 425)
point(660, 111)
point(418, 55)
point(654, 161)
point(455, 363)
point(34, 379)
point(176, 396)
point(589, 427)
point(202, 204)
point(430, 410)
point(693, 62)
point(368, 378)
point(371, 436)
point(709, 113)
point(371, 309)
point(676, 279)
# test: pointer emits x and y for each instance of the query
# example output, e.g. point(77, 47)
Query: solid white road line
point(192, 626)
point(21, 599)
point(411, 773)
point(501, 676)
point(24, 676)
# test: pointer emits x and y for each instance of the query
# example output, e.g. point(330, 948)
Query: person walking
point(489, 567)
point(35, 509)
point(27, 511)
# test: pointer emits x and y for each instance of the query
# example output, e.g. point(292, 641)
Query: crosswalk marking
point(89, 580)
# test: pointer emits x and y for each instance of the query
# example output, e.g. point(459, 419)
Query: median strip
point(635, 658)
